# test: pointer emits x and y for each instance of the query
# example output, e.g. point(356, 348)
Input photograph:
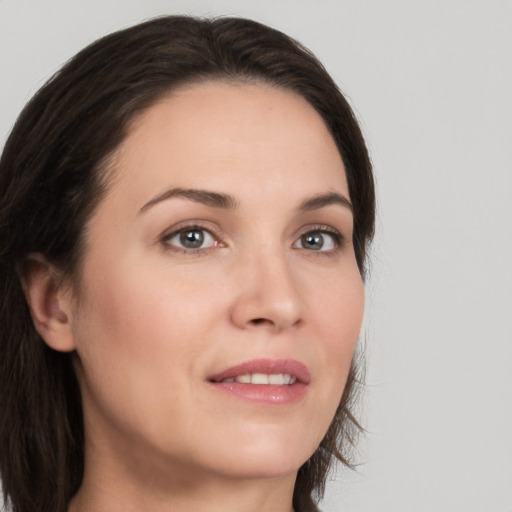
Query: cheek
point(138, 326)
point(116, 331)
point(137, 341)
point(339, 315)
point(338, 309)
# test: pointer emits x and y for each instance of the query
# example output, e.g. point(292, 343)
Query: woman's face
point(221, 253)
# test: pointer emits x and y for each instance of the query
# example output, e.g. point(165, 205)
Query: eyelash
point(338, 240)
point(188, 251)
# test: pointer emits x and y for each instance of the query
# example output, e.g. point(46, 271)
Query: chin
point(263, 468)
point(267, 455)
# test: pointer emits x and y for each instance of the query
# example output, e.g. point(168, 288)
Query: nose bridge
point(269, 293)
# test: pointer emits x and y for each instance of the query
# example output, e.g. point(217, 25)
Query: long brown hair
point(52, 176)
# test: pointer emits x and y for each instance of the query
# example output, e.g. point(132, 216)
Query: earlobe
point(49, 302)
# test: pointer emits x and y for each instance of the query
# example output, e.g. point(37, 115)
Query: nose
point(267, 295)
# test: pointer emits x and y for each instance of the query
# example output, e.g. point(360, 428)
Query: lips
point(264, 381)
point(257, 368)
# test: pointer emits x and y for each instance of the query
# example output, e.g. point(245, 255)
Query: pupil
point(314, 242)
point(192, 239)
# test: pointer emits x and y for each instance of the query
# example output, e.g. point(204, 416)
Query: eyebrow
point(206, 197)
point(323, 200)
point(225, 201)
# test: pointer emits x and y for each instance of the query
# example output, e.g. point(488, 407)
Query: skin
point(150, 321)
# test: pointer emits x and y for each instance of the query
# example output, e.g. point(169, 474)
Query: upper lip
point(267, 366)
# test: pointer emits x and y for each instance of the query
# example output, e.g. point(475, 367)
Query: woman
point(185, 213)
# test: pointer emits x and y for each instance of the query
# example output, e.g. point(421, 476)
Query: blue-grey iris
point(192, 239)
point(315, 242)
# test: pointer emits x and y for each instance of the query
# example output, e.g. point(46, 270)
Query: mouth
point(264, 381)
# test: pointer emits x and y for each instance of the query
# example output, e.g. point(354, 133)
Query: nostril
point(257, 321)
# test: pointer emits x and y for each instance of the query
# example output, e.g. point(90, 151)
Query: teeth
point(276, 379)
point(259, 378)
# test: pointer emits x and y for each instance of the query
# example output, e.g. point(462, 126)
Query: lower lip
point(264, 393)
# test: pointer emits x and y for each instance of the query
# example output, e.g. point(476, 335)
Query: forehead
point(219, 134)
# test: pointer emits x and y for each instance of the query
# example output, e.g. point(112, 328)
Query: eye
point(191, 238)
point(319, 240)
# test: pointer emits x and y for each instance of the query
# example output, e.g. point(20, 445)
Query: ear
point(49, 301)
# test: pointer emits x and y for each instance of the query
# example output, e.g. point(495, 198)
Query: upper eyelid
point(323, 228)
point(175, 233)
point(170, 232)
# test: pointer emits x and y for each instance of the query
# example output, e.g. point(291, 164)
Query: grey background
point(431, 82)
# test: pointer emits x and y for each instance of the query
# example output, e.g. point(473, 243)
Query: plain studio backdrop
point(431, 82)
